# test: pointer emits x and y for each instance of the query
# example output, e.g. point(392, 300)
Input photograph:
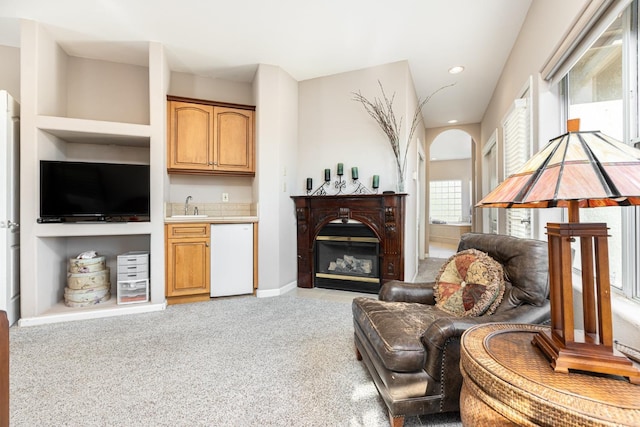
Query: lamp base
point(585, 356)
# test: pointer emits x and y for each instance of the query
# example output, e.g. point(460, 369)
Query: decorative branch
point(381, 109)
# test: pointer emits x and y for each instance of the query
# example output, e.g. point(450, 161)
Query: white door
point(9, 207)
point(489, 182)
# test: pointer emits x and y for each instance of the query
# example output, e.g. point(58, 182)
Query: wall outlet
point(225, 197)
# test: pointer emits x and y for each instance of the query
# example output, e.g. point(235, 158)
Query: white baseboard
point(276, 292)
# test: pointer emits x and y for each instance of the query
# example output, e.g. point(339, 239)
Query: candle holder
point(360, 188)
point(320, 191)
point(341, 185)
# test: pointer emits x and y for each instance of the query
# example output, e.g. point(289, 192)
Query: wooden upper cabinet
point(190, 138)
point(233, 142)
point(206, 138)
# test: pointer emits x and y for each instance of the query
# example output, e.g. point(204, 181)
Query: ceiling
point(451, 144)
point(227, 39)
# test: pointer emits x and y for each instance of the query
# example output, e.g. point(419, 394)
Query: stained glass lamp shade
point(577, 170)
point(588, 168)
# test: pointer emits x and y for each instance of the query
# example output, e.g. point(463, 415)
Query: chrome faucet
point(186, 205)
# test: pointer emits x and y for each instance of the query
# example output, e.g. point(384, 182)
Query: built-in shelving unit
point(83, 109)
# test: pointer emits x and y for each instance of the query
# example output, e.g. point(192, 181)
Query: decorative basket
point(87, 265)
point(90, 280)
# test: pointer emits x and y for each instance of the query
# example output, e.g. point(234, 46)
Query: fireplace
point(378, 223)
point(347, 258)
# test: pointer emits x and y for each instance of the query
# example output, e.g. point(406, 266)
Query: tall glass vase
point(400, 181)
point(401, 186)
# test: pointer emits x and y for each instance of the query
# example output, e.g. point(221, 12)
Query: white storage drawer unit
point(132, 291)
point(133, 277)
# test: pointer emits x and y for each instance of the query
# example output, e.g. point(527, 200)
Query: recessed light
point(453, 121)
point(457, 69)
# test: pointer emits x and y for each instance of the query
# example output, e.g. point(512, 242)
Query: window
point(598, 91)
point(445, 201)
point(516, 130)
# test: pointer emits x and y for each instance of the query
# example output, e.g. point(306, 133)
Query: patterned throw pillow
point(470, 283)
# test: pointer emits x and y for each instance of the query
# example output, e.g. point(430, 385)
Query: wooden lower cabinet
point(187, 249)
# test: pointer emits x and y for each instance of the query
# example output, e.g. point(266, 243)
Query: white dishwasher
point(231, 259)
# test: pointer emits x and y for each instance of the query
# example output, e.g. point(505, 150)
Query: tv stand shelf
point(92, 229)
point(62, 313)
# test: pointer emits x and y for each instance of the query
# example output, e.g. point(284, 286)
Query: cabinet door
point(234, 144)
point(190, 138)
point(188, 261)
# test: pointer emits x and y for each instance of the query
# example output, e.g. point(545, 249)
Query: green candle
point(376, 181)
point(340, 169)
point(327, 174)
point(309, 184)
point(354, 173)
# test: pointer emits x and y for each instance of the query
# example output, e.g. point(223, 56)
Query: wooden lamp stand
point(590, 349)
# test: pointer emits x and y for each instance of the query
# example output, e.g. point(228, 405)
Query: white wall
point(10, 70)
point(545, 25)
point(459, 169)
point(192, 86)
point(103, 90)
point(473, 130)
point(209, 189)
point(276, 96)
point(336, 129)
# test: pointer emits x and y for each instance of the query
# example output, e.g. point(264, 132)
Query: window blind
point(594, 19)
point(517, 150)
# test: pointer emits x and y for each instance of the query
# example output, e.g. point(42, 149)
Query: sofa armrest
point(398, 291)
point(443, 329)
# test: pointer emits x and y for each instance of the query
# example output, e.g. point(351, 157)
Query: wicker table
point(508, 382)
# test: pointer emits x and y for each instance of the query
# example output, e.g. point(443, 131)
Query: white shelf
point(95, 131)
point(62, 120)
point(62, 313)
point(92, 229)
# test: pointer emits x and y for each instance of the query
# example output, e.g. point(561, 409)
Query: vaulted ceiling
point(307, 39)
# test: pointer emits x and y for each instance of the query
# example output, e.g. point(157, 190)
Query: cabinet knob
point(210, 163)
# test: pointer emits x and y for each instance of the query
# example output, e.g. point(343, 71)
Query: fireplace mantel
point(382, 213)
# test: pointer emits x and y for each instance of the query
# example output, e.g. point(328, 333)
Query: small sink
point(188, 216)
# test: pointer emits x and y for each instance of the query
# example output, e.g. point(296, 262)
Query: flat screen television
point(84, 191)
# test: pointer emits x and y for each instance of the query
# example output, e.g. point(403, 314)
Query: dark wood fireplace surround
point(382, 213)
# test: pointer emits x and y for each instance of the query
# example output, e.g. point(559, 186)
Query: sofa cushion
point(394, 328)
point(470, 283)
point(525, 263)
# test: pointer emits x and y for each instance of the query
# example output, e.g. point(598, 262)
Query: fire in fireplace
point(347, 258)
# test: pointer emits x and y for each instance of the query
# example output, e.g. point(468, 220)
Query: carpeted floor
point(243, 361)
point(428, 268)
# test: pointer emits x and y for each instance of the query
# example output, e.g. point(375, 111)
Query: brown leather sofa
point(411, 348)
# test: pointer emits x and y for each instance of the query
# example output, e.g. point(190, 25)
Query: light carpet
point(242, 361)
point(429, 268)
